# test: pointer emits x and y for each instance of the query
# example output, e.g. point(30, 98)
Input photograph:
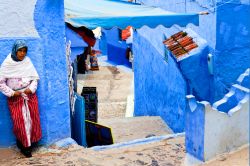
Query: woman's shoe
point(26, 152)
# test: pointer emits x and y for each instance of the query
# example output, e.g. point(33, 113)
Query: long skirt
point(26, 119)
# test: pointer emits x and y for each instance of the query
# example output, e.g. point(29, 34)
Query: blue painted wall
point(213, 28)
point(232, 44)
point(195, 117)
point(47, 52)
point(160, 88)
point(235, 94)
point(170, 81)
point(194, 129)
point(115, 48)
point(195, 71)
point(226, 30)
point(103, 42)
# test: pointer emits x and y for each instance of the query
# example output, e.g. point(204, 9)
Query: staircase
point(115, 88)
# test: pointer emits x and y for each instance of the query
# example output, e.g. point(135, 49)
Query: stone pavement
point(167, 152)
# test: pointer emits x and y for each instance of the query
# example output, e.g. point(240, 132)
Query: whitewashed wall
point(224, 133)
point(17, 18)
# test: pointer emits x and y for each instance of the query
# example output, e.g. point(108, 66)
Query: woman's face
point(21, 53)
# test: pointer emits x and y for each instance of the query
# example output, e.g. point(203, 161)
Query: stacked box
point(91, 103)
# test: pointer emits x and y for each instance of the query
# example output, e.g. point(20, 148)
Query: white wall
point(224, 133)
point(16, 18)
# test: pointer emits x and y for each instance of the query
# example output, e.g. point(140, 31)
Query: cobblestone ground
point(168, 152)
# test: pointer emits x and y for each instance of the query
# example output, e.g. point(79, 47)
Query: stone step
point(101, 83)
point(120, 84)
point(106, 70)
point(111, 110)
point(128, 129)
point(124, 82)
point(101, 76)
point(112, 87)
point(112, 97)
point(105, 95)
point(106, 86)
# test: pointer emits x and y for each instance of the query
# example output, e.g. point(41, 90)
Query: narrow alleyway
point(114, 85)
point(115, 88)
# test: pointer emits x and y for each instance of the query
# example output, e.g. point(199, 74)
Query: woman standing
point(18, 81)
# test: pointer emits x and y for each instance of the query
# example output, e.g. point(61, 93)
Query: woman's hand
point(17, 93)
point(27, 91)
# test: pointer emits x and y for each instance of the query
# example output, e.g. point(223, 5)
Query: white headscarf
point(21, 69)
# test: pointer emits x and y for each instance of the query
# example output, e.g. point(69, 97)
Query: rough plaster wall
point(159, 86)
point(49, 22)
point(194, 128)
point(197, 76)
point(16, 18)
point(6, 137)
point(233, 45)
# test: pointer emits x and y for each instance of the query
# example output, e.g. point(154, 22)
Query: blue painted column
point(49, 22)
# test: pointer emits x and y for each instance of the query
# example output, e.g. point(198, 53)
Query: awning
point(117, 13)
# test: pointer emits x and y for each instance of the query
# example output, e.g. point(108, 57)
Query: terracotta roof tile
point(180, 44)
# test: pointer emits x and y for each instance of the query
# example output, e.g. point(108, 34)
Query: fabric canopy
point(117, 13)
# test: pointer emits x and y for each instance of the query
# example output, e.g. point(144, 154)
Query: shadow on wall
point(194, 67)
point(236, 94)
